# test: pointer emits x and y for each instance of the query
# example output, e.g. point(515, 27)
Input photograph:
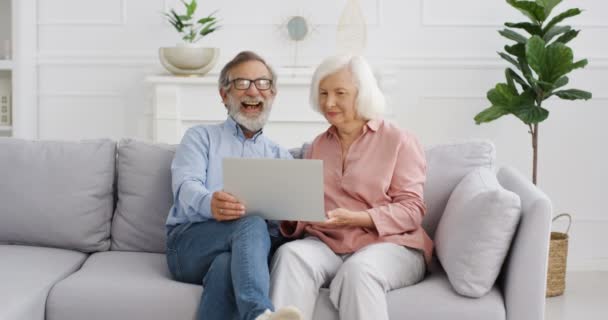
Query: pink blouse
point(383, 174)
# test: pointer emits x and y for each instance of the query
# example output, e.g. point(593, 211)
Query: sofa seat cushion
point(123, 285)
point(26, 276)
point(431, 299)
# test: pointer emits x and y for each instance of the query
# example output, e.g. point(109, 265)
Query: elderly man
point(210, 240)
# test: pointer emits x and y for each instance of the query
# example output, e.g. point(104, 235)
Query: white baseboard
point(596, 264)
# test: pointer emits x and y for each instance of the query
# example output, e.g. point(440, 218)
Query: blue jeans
point(230, 259)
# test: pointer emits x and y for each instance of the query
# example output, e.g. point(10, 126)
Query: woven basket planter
point(558, 257)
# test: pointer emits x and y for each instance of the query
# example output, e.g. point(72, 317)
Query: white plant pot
point(188, 60)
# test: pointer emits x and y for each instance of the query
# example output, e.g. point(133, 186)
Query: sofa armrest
point(524, 273)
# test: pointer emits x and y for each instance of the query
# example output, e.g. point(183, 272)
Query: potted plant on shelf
point(188, 58)
point(542, 61)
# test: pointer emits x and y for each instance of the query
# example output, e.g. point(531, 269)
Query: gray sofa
point(82, 237)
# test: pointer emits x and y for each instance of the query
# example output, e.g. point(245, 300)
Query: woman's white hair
point(370, 102)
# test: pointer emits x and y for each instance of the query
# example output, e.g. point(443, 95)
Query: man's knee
point(252, 223)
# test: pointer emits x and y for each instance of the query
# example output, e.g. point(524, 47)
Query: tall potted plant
point(542, 60)
point(188, 58)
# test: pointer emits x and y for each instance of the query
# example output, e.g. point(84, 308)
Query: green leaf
point(531, 28)
point(531, 114)
point(552, 62)
point(560, 82)
point(549, 87)
point(518, 50)
point(532, 10)
point(560, 17)
point(176, 21)
point(510, 82)
point(548, 5)
point(579, 64)
point(545, 86)
point(535, 54)
point(566, 37)
point(206, 20)
point(191, 8)
point(524, 107)
point(208, 29)
point(558, 61)
point(490, 114)
point(508, 58)
point(510, 34)
point(518, 79)
point(573, 94)
point(502, 96)
point(504, 100)
point(525, 69)
point(557, 30)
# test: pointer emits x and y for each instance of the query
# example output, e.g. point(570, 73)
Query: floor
point(585, 297)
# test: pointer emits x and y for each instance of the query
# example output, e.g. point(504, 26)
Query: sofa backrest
point(57, 194)
point(60, 194)
point(144, 196)
point(447, 164)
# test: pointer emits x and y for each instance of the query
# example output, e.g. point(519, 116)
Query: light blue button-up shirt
point(197, 166)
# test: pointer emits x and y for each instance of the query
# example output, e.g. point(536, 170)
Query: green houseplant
point(541, 61)
point(191, 29)
point(188, 58)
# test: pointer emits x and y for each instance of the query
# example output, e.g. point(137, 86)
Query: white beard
point(251, 124)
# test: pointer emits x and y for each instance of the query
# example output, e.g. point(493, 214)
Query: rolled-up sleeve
point(189, 176)
point(405, 211)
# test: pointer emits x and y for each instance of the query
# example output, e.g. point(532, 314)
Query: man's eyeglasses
point(244, 84)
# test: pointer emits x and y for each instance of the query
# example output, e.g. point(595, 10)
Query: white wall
point(94, 55)
point(5, 26)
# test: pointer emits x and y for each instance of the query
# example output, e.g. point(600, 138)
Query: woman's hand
point(345, 218)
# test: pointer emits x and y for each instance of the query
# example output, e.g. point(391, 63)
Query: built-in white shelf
point(6, 128)
point(6, 64)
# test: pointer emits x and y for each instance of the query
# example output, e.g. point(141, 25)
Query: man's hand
point(345, 218)
point(225, 207)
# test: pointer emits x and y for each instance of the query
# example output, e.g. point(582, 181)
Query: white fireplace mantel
point(181, 102)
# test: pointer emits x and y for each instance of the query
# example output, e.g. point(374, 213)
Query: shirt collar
point(235, 129)
point(372, 125)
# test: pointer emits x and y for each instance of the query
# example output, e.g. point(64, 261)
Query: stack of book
point(5, 103)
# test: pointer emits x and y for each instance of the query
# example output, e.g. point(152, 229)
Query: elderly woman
point(372, 241)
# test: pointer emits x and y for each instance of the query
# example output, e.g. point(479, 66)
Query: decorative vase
point(188, 60)
point(351, 35)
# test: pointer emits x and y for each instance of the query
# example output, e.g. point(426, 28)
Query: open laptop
point(277, 189)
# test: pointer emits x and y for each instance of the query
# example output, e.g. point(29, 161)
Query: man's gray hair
point(370, 102)
point(242, 57)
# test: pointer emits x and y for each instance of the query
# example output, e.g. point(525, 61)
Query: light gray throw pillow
point(57, 194)
point(144, 196)
point(447, 164)
point(475, 232)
